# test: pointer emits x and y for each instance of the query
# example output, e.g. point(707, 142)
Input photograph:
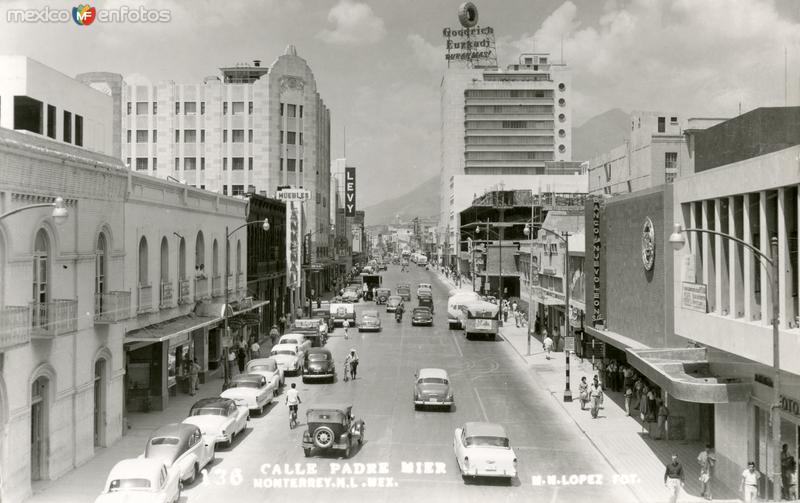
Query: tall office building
point(251, 129)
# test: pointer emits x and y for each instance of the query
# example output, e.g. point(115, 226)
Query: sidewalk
point(620, 439)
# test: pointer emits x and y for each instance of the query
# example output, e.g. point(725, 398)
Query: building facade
point(266, 258)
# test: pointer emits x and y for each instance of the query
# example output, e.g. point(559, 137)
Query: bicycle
point(292, 417)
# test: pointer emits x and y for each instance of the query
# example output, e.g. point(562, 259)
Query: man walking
point(282, 322)
point(194, 370)
point(661, 417)
point(706, 459)
point(749, 483)
point(274, 335)
point(673, 478)
point(547, 344)
point(595, 396)
point(255, 349)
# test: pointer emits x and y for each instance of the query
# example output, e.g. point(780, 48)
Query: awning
point(244, 307)
point(218, 308)
point(688, 375)
point(613, 338)
point(176, 327)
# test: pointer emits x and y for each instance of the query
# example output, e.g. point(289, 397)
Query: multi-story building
point(502, 122)
point(266, 257)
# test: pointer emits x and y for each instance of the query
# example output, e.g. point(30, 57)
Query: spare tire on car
point(323, 437)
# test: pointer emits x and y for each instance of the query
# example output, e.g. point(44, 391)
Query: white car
point(252, 389)
point(182, 447)
point(299, 340)
point(288, 357)
point(220, 419)
point(268, 368)
point(483, 450)
point(141, 480)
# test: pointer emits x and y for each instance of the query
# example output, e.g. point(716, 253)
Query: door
point(38, 430)
point(99, 403)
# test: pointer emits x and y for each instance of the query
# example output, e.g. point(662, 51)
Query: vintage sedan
point(182, 447)
point(432, 387)
point(268, 368)
point(319, 364)
point(141, 480)
point(404, 290)
point(424, 288)
point(369, 321)
point(483, 450)
point(332, 427)
point(351, 294)
point(422, 316)
point(393, 302)
point(220, 419)
point(299, 339)
point(288, 357)
point(252, 389)
point(382, 295)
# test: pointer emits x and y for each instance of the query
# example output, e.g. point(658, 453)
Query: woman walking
point(583, 392)
point(596, 396)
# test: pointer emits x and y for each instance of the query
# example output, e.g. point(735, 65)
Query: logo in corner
point(83, 15)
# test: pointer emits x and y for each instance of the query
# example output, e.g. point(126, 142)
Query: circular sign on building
point(468, 14)
point(648, 244)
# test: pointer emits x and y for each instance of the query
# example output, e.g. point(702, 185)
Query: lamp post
point(500, 239)
point(226, 349)
point(59, 213)
point(678, 240)
point(528, 233)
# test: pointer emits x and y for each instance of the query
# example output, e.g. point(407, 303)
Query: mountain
point(422, 201)
point(600, 134)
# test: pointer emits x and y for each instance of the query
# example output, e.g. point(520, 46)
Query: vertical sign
point(293, 243)
point(349, 192)
point(594, 242)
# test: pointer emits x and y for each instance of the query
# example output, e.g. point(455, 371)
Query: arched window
point(215, 259)
point(238, 262)
point(200, 254)
point(143, 261)
point(100, 259)
point(41, 271)
point(39, 429)
point(182, 259)
point(164, 260)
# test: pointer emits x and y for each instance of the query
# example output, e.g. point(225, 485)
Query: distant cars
point(219, 418)
point(351, 294)
point(432, 387)
point(425, 300)
point(252, 389)
point(341, 312)
point(182, 447)
point(141, 480)
point(424, 288)
point(369, 321)
point(393, 302)
point(483, 450)
point(319, 364)
point(314, 330)
point(268, 368)
point(382, 295)
point(422, 316)
point(332, 427)
point(289, 357)
point(404, 290)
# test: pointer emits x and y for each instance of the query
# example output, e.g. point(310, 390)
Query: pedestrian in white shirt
point(749, 484)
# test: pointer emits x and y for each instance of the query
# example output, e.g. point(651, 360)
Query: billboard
point(294, 250)
point(349, 192)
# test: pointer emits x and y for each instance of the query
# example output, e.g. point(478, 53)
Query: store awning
point(688, 375)
point(246, 306)
point(176, 327)
point(613, 338)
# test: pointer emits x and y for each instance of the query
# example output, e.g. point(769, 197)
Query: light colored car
point(393, 302)
point(182, 447)
point(252, 389)
point(268, 368)
point(300, 340)
point(220, 419)
point(369, 321)
point(424, 287)
point(288, 357)
point(483, 450)
point(351, 294)
point(432, 387)
point(141, 481)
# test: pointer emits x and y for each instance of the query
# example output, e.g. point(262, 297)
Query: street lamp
point(500, 240)
point(59, 213)
point(528, 233)
point(226, 349)
point(677, 240)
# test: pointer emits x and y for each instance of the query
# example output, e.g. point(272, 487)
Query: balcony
point(15, 326)
point(201, 288)
point(49, 319)
point(145, 299)
point(184, 292)
point(111, 307)
point(216, 286)
point(166, 295)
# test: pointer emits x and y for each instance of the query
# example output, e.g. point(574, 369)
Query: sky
point(379, 63)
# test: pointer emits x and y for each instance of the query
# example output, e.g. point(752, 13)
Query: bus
point(481, 318)
point(457, 300)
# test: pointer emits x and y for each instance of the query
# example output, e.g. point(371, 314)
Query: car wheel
point(363, 435)
point(195, 473)
point(324, 437)
point(307, 452)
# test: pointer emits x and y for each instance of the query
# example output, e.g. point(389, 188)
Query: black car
point(422, 316)
point(333, 427)
point(318, 364)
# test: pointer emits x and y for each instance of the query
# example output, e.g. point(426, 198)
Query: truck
point(372, 281)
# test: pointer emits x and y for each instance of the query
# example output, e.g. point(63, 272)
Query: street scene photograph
point(399, 251)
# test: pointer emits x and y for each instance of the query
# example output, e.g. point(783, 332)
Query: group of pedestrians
point(591, 394)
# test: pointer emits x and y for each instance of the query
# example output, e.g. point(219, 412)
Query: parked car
point(483, 450)
point(298, 339)
point(268, 368)
point(182, 447)
point(351, 294)
point(253, 389)
point(382, 295)
point(422, 316)
point(393, 302)
point(319, 364)
point(425, 300)
point(369, 321)
point(141, 481)
point(219, 418)
point(332, 427)
point(432, 387)
point(289, 358)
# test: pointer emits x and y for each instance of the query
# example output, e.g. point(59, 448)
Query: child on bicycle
point(293, 400)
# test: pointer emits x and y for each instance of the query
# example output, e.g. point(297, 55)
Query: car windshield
point(370, 314)
point(269, 367)
point(290, 340)
point(245, 384)
point(325, 416)
point(433, 380)
point(317, 357)
point(306, 323)
point(128, 484)
point(164, 441)
point(288, 352)
point(209, 411)
point(501, 442)
point(418, 310)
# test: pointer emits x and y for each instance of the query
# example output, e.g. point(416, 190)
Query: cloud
point(428, 55)
point(698, 58)
point(353, 24)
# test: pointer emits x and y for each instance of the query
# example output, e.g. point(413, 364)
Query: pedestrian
point(673, 478)
point(652, 405)
point(662, 415)
point(749, 483)
point(788, 467)
point(345, 326)
point(232, 360)
point(620, 377)
point(353, 362)
point(194, 371)
point(547, 344)
point(611, 375)
point(505, 312)
point(706, 460)
point(627, 377)
point(274, 335)
point(637, 392)
point(643, 403)
point(282, 322)
point(600, 367)
point(241, 356)
point(537, 325)
point(595, 396)
point(628, 397)
point(255, 349)
point(583, 392)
